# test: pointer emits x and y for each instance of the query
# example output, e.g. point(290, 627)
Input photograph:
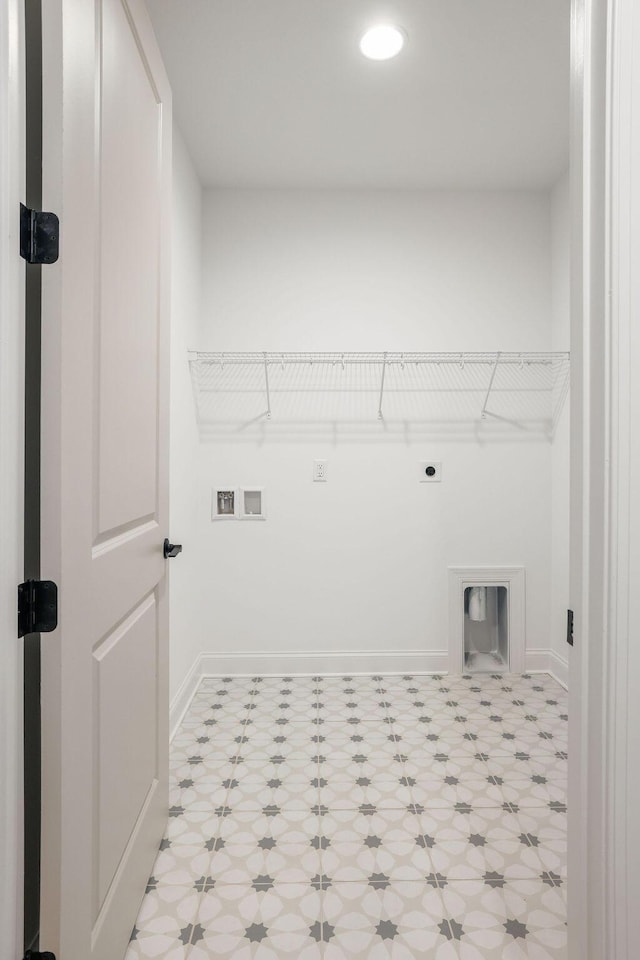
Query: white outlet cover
point(423, 466)
point(320, 469)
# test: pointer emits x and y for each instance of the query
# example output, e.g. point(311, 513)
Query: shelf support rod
point(266, 384)
point(384, 368)
point(493, 375)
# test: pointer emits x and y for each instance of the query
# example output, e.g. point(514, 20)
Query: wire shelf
point(524, 390)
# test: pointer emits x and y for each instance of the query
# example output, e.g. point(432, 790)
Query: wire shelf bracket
point(266, 385)
point(484, 411)
point(384, 370)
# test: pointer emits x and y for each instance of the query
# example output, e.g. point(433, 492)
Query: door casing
point(604, 711)
point(12, 185)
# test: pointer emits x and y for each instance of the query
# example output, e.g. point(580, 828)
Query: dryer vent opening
point(486, 628)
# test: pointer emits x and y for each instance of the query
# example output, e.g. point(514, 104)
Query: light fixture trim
point(383, 41)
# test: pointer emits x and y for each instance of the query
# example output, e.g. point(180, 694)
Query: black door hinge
point(570, 627)
point(33, 955)
point(37, 611)
point(39, 233)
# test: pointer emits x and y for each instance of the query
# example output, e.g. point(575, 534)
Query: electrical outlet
point(320, 471)
point(430, 471)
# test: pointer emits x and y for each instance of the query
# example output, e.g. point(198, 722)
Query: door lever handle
point(171, 549)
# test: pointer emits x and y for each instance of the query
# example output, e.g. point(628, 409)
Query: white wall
point(375, 270)
point(560, 488)
point(360, 563)
point(186, 277)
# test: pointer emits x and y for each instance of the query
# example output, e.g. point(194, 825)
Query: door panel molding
point(120, 535)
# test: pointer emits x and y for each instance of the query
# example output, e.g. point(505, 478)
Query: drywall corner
point(186, 282)
point(560, 486)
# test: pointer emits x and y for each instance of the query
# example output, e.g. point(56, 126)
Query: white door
point(106, 173)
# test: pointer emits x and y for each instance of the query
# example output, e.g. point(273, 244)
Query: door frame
point(604, 769)
point(12, 282)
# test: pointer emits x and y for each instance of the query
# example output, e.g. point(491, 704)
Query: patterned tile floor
point(362, 818)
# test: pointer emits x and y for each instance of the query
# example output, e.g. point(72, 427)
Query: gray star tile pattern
point(364, 818)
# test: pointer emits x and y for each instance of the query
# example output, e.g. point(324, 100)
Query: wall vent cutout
point(487, 619)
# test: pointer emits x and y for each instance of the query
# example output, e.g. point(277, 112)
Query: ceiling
point(275, 93)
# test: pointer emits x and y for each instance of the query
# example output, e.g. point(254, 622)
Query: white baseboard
point(184, 696)
point(548, 661)
point(284, 663)
point(559, 669)
point(537, 661)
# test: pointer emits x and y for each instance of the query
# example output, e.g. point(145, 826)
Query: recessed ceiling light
point(382, 42)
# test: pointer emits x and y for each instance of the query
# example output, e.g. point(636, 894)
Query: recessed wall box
point(252, 503)
point(224, 504)
point(486, 628)
point(486, 619)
